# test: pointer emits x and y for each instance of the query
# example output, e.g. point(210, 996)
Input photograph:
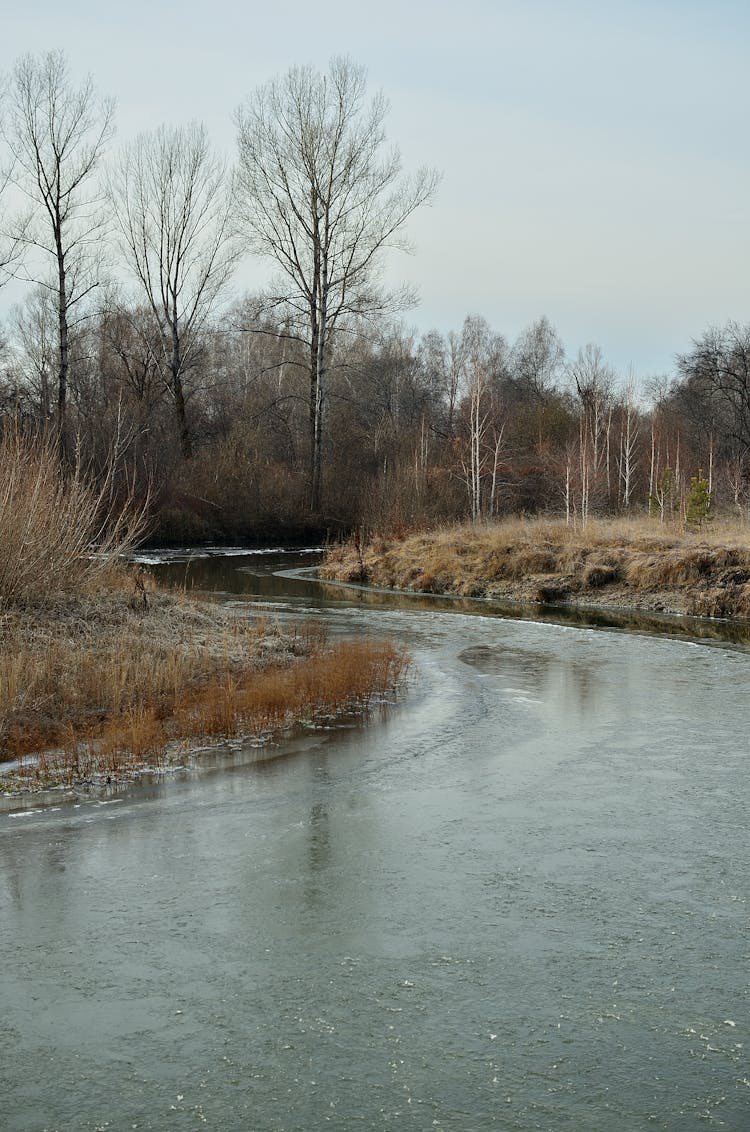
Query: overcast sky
point(594, 155)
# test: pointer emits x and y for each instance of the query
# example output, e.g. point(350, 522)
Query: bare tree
point(628, 441)
point(322, 197)
point(484, 355)
point(537, 360)
point(56, 133)
point(172, 209)
point(35, 332)
point(444, 359)
point(593, 380)
point(714, 390)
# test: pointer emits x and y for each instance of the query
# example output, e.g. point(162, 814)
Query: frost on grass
point(103, 684)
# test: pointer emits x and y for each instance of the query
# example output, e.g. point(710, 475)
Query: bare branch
point(56, 133)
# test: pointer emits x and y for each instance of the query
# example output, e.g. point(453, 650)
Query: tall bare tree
point(593, 380)
point(172, 206)
point(57, 133)
point(484, 360)
point(322, 196)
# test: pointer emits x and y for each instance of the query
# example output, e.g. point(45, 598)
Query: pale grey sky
point(594, 161)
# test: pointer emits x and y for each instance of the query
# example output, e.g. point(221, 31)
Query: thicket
point(421, 430)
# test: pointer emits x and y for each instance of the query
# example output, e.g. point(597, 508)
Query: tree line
point(309, 406)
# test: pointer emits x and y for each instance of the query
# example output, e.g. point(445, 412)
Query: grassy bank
point(640, 565)
point(101, 685)
point(101, 675)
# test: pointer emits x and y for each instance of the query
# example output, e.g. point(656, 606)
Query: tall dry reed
point(59, 532)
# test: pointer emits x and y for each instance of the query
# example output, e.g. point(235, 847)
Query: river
point(517, 899)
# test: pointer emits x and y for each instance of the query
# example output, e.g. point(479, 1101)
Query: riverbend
point(516, 900)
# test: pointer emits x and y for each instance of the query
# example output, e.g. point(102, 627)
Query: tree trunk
point(316, 495)
point(178, 394)
point(317, 355)
point(313, 485)
point(62, 378)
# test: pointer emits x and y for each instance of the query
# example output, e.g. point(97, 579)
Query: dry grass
point(58, 533)
point(99, 676)
point(640, 563)
point(102, 685)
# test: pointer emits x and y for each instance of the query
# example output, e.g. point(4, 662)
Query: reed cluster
point(61, 531)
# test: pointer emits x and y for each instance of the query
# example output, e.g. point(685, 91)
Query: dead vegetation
point(100, 674)
point(60, 532)
point(642, 564)
point(100, 685)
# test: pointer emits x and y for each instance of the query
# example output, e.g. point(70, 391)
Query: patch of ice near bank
point(159, 557)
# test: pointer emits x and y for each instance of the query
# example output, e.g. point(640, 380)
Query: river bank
point(98, 687)
point(637, 565)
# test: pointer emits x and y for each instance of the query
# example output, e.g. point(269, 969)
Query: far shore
point(639, 566)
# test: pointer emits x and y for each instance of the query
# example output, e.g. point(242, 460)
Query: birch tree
point(484, 355)
point(628, 443)
point(57, 133)
point(592, 379)
point(322, 196)
point(173, 218)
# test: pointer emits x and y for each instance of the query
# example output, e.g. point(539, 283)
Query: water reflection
point(289, 576)
point(561, 683)
point(249, 575)
point(672, 625)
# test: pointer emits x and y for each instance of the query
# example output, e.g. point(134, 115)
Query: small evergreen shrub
point(698, 509)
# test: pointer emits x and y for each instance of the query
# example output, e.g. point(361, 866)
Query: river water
point(517, 899)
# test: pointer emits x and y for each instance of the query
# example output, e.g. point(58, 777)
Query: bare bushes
point(58, 533)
